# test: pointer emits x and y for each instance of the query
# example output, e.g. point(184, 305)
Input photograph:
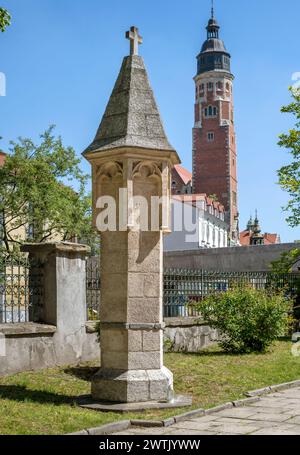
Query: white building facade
point(197, 222)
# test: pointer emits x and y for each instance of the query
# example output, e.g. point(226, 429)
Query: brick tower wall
point(214, 144)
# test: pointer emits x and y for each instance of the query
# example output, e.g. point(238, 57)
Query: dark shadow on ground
point(22, 394)
point(82, 372)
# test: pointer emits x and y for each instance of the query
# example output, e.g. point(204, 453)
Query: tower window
point(220, 85)
point(234, 198)
point(210, 86)
point(211, 111)
point(210, 137)
point(202, 87)
point(226, 61)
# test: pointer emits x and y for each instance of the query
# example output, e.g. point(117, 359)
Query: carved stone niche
point(140, 189)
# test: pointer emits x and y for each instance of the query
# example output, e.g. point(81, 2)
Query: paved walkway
point(274, 414)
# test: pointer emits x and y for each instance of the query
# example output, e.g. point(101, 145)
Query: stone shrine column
point(131, 162)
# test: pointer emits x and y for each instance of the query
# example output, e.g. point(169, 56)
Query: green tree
point(286, 261)
point(4, 19)
point(37, 195)
point(289, 175)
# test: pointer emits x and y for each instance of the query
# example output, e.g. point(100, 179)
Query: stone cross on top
point(135, 40)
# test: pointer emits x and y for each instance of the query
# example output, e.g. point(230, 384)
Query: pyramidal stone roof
point(131, 118)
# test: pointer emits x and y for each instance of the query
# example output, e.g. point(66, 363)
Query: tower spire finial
point(212, 9)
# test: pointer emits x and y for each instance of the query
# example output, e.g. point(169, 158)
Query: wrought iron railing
point(21, 290)
point(93, 288)
point(183, 286)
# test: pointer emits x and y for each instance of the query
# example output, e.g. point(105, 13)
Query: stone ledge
point(91, 326)
point(22, 329)
point(51, 247)
point(184, 322)
point(132, 326)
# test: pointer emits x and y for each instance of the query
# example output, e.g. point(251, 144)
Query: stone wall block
point(152, 285)
point(114, 360)
point(152, 340)
point(145, 310)
point(114, 340)
point(136, 284)
point(144, 261)
point(135, 343)
point(144, 360)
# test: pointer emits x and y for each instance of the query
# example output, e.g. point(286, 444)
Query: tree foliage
point(37, 196)
point(289, 175)
point(4, 19)
point(286, 261)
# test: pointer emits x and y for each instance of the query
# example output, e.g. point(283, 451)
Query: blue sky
point(61, 59)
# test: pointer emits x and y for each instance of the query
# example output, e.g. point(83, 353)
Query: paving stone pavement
point(275, 414)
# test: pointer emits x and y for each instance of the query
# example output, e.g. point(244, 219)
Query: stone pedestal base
point(133, 386)
point(178, 401)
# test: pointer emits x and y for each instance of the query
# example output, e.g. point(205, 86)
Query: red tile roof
point(245, 238)
point(193, 198)
point(269, 239)
point(183, 173)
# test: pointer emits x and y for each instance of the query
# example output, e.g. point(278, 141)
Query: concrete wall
point(236, 259)
point(30, 346)
point(58, 333)
point(188, 335)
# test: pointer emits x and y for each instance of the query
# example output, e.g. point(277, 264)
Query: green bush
point(248, 319)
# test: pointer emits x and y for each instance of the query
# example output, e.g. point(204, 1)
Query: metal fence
point(20, 289)
point(93, 291)
point(183, 286)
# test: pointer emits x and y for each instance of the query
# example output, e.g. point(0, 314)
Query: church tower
point(214, 144)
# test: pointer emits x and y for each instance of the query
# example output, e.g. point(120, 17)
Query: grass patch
point(43, 402)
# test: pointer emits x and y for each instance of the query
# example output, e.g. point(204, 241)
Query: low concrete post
point(63, 299)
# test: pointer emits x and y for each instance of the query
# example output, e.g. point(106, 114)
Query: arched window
point(220, 85)
point(211, 111)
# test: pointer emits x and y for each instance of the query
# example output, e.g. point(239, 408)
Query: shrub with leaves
point(248, 320)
